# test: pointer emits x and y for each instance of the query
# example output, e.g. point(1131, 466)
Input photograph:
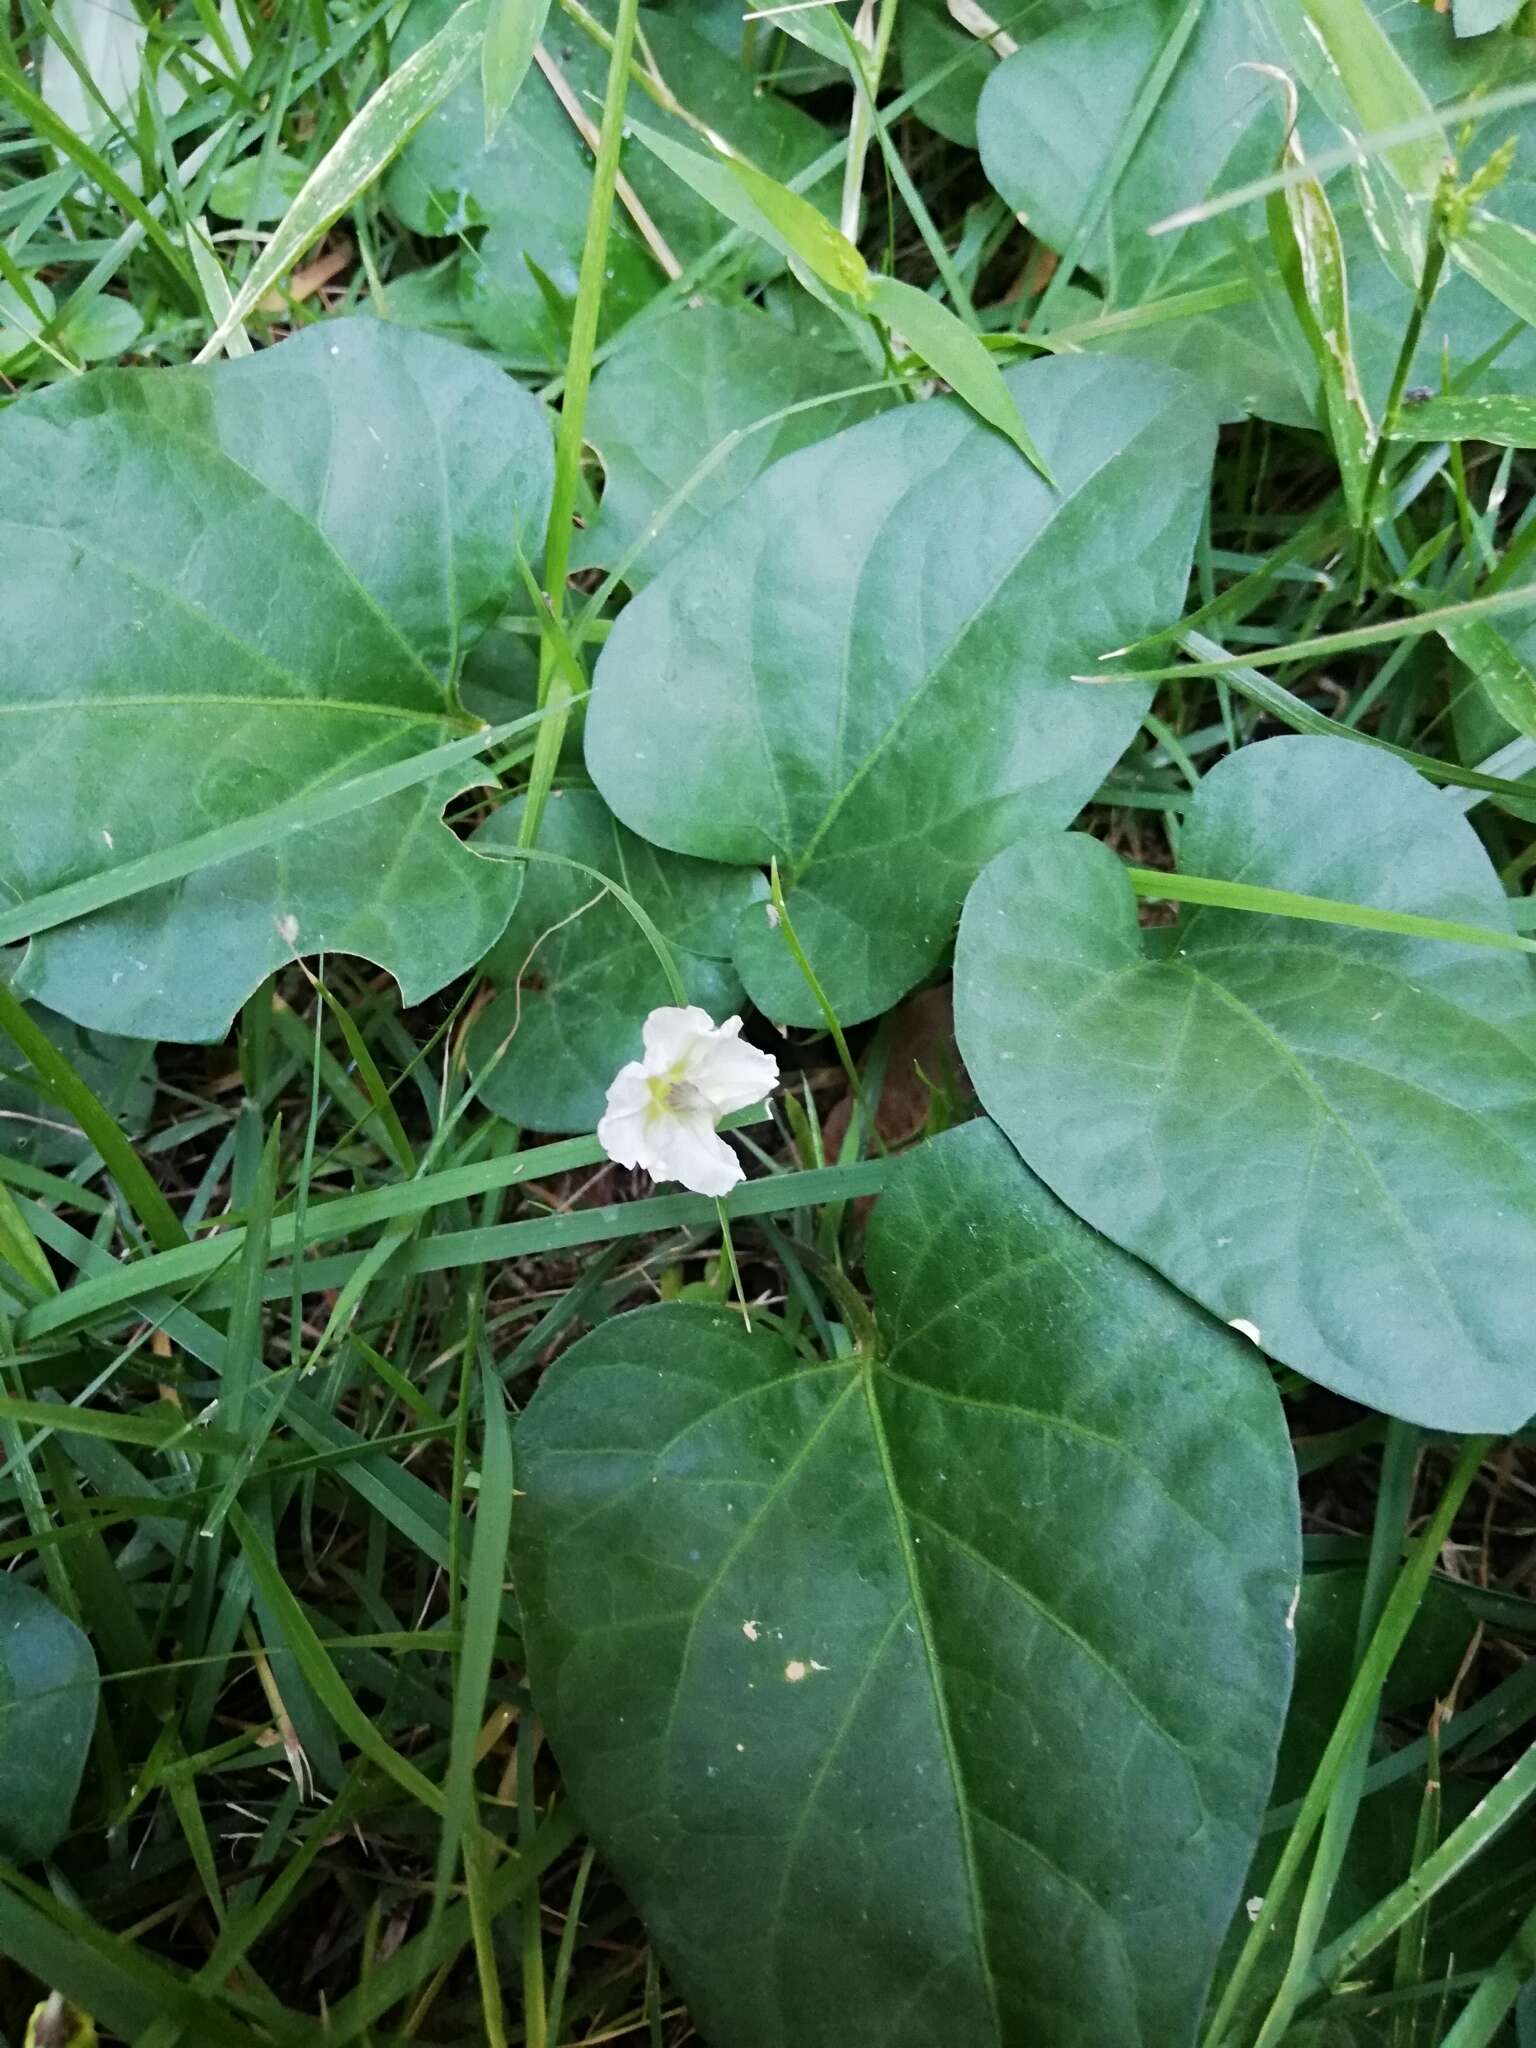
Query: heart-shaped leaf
point(854, 673)
point(549, 1045)
point(48, 1690)
point(107, 327)
point(714, 378)
point(931, 1696)
point(529, 186)
point(960, 60)
point(227, 588)
point(1230, 122)
point(263, 190)
point(1074, 132)
point(1325, 1132)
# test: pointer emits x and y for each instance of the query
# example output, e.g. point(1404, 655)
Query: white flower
point(662, 1110)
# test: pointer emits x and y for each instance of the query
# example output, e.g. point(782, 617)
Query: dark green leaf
point(854, 675)
point(683, 390)
point(931, 1699)
point(48, 1691)
point(270, 597)
point(1052, 116)
point(529, 187)
point(931, 41)
point(1206, 297)
point(590, 976)
point(1318, 1130)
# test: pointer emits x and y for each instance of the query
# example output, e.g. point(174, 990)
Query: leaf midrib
point(210, 446)
point(939, 665)
point(210, 622)
point(717, 1579)
point(1062, 1425)
point(919, 1607)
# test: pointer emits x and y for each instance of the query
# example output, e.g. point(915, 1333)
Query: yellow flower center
point(671, 1092)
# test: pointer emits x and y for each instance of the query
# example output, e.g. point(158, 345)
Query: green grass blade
point(481, 1622)
point(295, 814)
point(321, 1674)
point(1502, 418)
point(1157, 886)
point(1323, 645)
point(63, 1084)
point(764, 207)
point(953, 352)
point(44, 123)
point(365, 147)
point(20, 1250)
point(512, 31)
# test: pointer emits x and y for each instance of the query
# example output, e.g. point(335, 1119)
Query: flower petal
point(729, 1074)
point(683, 1146)
point(630, 1090)
point(671, 1034)
point(621, 1131)
point(623, 1137)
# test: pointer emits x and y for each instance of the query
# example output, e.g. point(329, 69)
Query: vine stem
point(785, 926)
point(1429, 279)
point(578, 383)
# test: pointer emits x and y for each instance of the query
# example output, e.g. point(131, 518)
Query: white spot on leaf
point(799, 1668)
